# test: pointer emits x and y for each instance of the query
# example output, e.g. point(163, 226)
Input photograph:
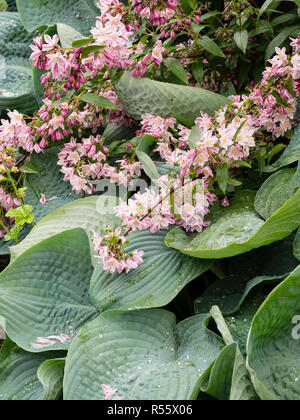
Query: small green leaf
point(241, 40)
point(82, 42)
point(148, 165)
point(195, 136)
point(209, 45)
point(223, 177)
point(177, 69)
point(92, 98)
point(91, 49)
point(198, 72)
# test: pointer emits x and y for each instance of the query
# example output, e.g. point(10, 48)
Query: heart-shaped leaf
point(91, 214)
point(153, 360)
point(45, 292)
point(164, 273)
point(274, 192)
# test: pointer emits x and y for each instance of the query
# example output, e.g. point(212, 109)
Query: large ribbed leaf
point(273, 343)
point(90, 214)
point(16, 86)
point(141, 353)
point(48, 181)
point(79, 14)
point(141, 96)
point(155, 283)
point(238, 229)
point(19, 374)
point(290, 155)
point(45, 291)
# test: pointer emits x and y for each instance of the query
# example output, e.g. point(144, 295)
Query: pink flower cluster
point(157, 12)
point(172, 203)
point(84, 163)
point(110, 249)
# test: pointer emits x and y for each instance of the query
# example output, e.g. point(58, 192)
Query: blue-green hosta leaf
point(48, 181)
point(238, 229)
point(141, 96)
point(79, 14)
point(164, 273)
point(19, 374)
point(51, 375)
point(143, 354)
point(228, 378)
point(275, 191)
point(273, 343)
point(91, 214)
point(16, 85)
point(44, 292)
point(290, 155)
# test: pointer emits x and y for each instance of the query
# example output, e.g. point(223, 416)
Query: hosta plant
point(150, 201)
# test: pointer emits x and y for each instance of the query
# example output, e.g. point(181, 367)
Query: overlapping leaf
point(16, 86)
point(19, 377)
point(47, 180)
point(91, 214)
point(164, 273)
point(45, 291)
point(141, 96)
point(79, 14)
point(152, 358)
point(238, 229)
point(273, 343)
